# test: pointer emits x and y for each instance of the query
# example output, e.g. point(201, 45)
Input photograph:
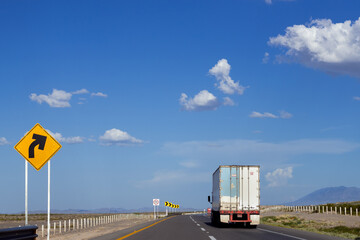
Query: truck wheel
point(250, 226)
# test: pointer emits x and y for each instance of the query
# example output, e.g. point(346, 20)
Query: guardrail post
point(323, 209)
point(340, 210)
point(54, 228)
point(356, 212)
point(42, 230)
point(350, 211)
point(345, 210)
point(69, 225)
point(64, 225)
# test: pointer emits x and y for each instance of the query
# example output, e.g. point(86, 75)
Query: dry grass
point(294, 222)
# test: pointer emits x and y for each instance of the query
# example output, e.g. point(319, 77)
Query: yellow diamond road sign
point(37, 146)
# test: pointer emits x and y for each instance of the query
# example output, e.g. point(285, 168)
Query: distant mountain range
point(109, 210)
point(329, 195)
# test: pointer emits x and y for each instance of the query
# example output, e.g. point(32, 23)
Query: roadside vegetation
point(301, 224)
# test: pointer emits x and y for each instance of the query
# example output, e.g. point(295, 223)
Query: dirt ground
point(95, 231)
point(330, 219)
point(128, 221)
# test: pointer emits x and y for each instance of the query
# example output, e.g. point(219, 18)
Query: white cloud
point(266, 57)
point(262, 115)
point(81, 91)
point(268, 154)
point(58, 98)
point(332, 47)
point(283, 114)
point(70, 140)
point(228, 101)
point(99, 94)
point(3, 141)
point(221, 72)
point(268, 2)
point(189, 164)
point(61, 98)
point(117, 137)
point(357, 98)
point(203, 101)
point(279, 176)
point(170, 177)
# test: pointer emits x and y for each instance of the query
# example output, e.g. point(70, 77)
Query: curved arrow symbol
point(39, 140)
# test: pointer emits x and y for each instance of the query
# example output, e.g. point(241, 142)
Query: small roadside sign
point(156, 202)
point(37, 146)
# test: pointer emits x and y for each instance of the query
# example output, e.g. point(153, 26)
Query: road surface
point(198, 227)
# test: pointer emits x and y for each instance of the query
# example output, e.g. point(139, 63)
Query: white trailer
point(236, 195)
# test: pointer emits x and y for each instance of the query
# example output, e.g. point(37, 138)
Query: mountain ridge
point(329, 195)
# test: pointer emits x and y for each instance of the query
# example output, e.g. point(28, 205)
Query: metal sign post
point(48, 212)
point(156, 202)
point(26, 193)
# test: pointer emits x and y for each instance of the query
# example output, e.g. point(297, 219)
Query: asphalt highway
point(198, 227)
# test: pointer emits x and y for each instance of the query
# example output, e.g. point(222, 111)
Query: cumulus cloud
point(81, 91)
point(99, 94)
point(332, 47)
point(58, 98)
point(266, 57)
point(3, 141)
point(203, 101)
point(268, 2)
point(283, 114)
point(279, 176)
point(357, 98)
point(228, 101)
point(117, 137)
point(71, 140)
point(221, 72)
point(61, 98)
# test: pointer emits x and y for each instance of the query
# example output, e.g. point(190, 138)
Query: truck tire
point(215, 218)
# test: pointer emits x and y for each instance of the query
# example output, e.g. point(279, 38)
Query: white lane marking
point(198, 225)
point(212, 238)
point(203, 229)
point(261, 229)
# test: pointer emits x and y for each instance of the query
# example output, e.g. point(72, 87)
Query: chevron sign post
point(170, 205)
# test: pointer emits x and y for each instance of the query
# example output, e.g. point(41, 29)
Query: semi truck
point(236, 195)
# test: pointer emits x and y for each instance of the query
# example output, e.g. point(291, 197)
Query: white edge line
point(212, 238)
point(203, 229)
point(283, 234)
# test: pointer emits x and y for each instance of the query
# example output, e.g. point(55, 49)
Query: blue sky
point(148, 98)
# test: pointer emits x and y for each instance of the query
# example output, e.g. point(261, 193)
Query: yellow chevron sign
point(169, 204)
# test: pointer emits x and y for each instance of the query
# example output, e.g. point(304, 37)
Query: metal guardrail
point(19, 233)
